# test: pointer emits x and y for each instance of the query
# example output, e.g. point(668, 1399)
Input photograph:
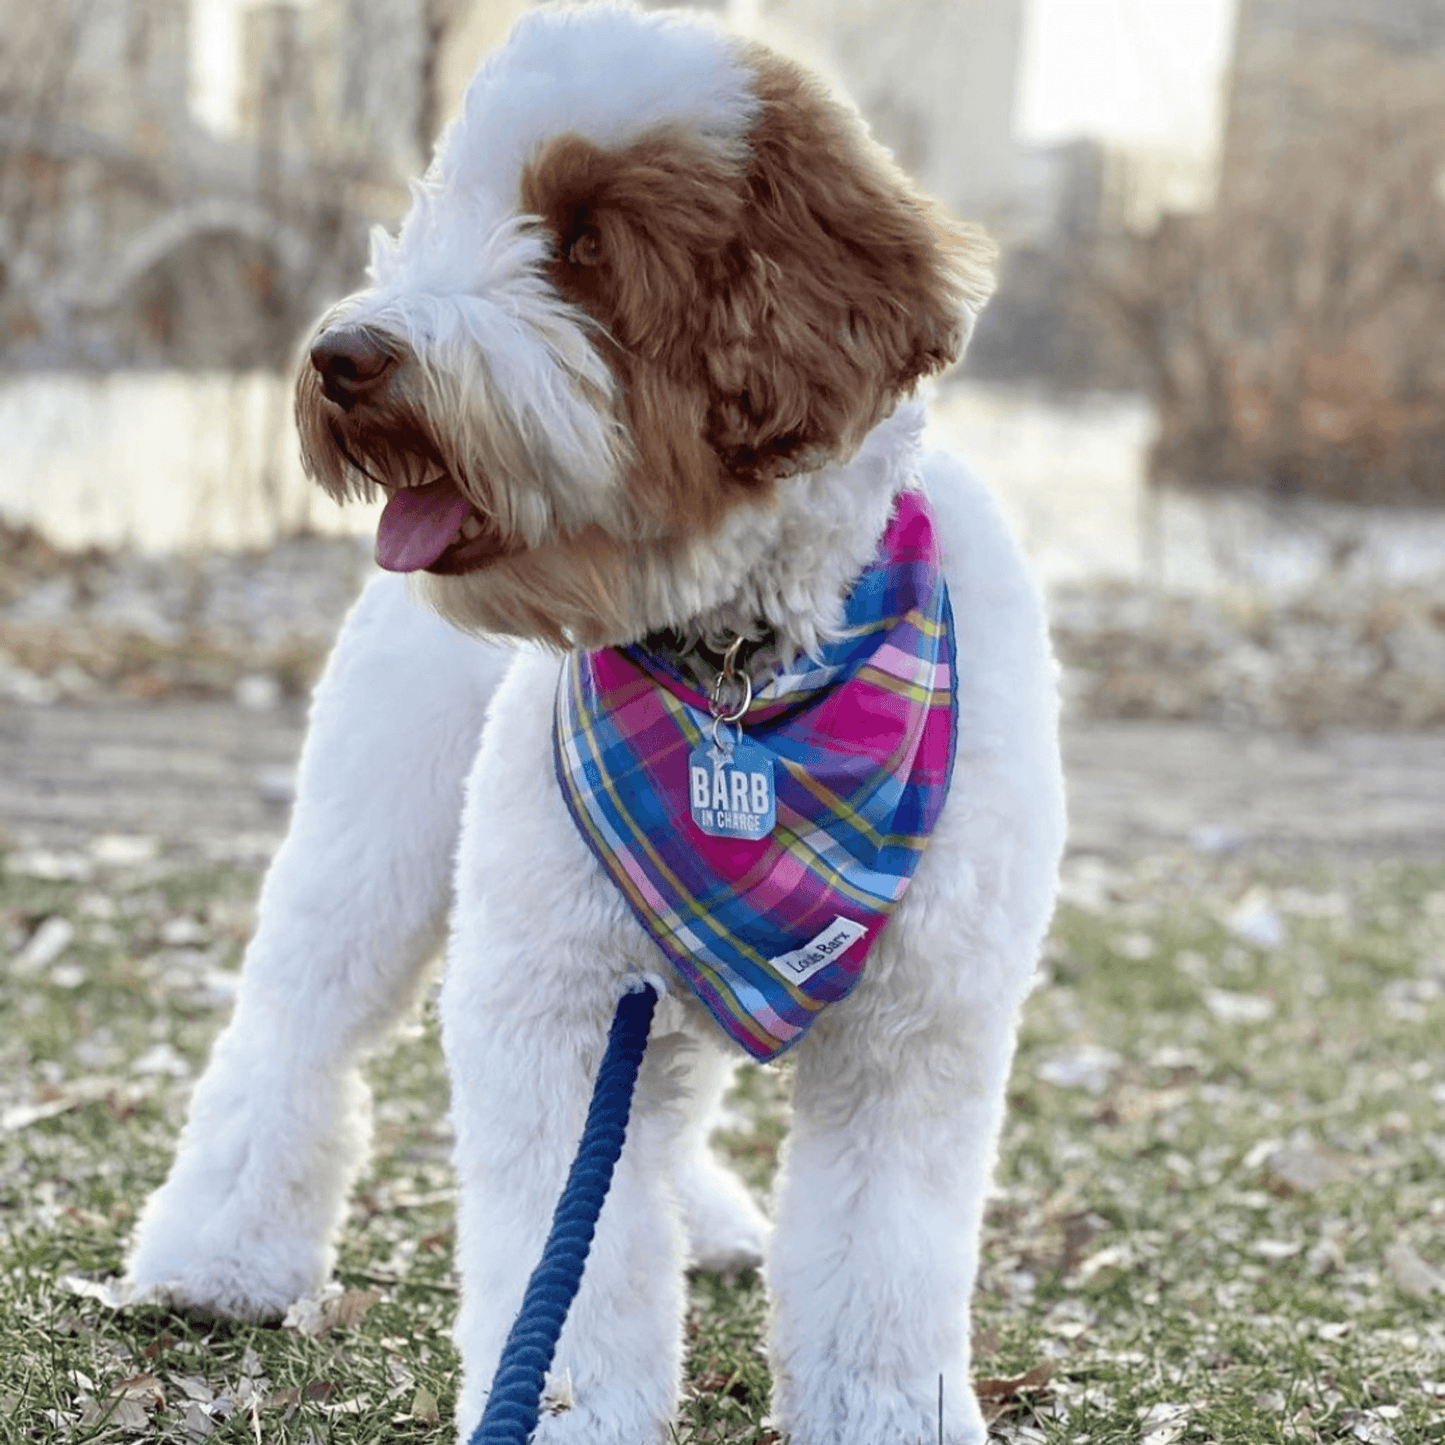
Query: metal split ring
point(730, 676)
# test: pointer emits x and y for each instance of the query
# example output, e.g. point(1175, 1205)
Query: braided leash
point(512, 1407)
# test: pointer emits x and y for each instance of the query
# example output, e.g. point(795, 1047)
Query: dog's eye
point(585, 248)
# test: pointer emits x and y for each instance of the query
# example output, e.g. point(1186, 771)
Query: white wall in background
point(178, 460)
point(158, 460)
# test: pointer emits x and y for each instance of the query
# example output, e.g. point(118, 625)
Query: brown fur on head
point(764, 315)
point(759, 302)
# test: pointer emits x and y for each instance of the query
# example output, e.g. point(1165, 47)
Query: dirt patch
point(215, 778)
point(1361, 658)
point(167, 698)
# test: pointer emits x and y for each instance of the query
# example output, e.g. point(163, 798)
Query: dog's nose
point(351, 363)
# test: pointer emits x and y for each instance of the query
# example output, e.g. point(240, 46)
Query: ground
point(216, 777)
point(1219, 1214)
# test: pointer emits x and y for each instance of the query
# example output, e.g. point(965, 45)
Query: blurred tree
point(1295, 338)
point(133, 235)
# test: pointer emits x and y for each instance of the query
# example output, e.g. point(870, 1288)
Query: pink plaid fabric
point(769, 930)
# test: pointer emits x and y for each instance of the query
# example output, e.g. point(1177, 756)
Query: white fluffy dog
point(636, 374)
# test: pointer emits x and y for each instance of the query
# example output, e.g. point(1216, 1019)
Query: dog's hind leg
point(725, 1228)
point(352, 910)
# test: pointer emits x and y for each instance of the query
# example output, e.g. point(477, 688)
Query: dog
point(637, 378)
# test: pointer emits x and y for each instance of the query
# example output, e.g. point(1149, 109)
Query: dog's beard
point(434, 518)
point(581, 590)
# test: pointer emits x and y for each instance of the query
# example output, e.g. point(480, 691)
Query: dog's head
point(653, 274)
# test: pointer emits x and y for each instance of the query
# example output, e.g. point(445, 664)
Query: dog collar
point(765, 856)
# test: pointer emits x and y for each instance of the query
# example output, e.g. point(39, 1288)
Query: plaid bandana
point(764, 860)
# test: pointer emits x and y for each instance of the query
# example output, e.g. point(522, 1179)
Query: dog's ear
point(844, 287)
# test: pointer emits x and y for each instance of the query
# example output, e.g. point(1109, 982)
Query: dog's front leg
point(351, 911)
point(875, 1249)
point(541, 946)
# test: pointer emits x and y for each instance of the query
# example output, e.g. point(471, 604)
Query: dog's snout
point(351, 362)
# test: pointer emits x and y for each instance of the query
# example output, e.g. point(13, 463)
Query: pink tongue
point(418, 524)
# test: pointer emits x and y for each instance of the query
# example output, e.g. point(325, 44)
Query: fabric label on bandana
point(764, 861)
point(802, 963)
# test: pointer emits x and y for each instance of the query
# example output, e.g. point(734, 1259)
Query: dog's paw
point(863, 1410)
point(224, 1266)
point(725, 1229)
point(217, 1294)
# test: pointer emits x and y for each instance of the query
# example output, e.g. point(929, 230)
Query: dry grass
point(1220, 1213)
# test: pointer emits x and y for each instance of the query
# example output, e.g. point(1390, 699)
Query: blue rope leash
point(511, 1411)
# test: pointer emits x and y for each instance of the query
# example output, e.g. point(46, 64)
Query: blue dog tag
point(730, 788)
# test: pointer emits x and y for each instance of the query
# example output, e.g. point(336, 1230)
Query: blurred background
point(1211, 395)
point(1210, 390)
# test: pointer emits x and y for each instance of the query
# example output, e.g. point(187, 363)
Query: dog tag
point(730, 789)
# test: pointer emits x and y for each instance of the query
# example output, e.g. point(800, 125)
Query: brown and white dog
point(637, 367)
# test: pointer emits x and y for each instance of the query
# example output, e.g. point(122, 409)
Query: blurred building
point(937, 80)
point(1305, 72)
point(1296, 338)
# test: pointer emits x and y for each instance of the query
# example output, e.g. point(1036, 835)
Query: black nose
point(351, 363)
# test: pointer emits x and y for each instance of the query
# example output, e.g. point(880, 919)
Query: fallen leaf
point(1367, 1426)
point(558, 1396)
point(146, 1389)
point(1087, 1066)
point(52, 867)
point(161, 1058)
point(1276, 1248)
point(424, 1406)
point(1413, 1275)
point(197, 1422)
point(295, 1394)
point(1163, 1423)
point(985, 1342)
point(1136, 946)
point(330, 1308)
point(1259, 1152)
point(1000, 1395)
point(1304, 904)
point(1255, 921)
point(110, 1292)
point(45, 945)
point(120, 1414)
point(1080, 1228)
point(1244, 1008)
point(127, 1405)
point(1306, 1167)
point(1114, 1256)
point(123, 850)
point(74, 1094)
point(1139, 1105)
point(358, 1406)
point(1005, 1387)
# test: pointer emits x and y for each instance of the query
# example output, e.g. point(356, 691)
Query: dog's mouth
point(434, 528)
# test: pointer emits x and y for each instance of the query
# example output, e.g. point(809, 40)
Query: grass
point(1220, 1212)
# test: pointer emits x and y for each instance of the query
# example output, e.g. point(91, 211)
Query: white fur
point(898, 1093)
point(427, 782)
